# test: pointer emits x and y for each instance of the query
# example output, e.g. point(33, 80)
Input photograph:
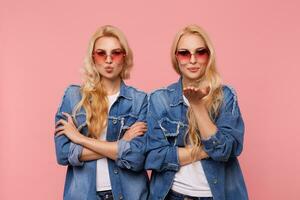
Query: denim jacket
point(167, 130)
point(168, 122)
point(127, 183)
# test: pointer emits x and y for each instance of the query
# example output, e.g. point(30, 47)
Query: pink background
point(42, 45)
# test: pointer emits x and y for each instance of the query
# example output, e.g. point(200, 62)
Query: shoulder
point(229, 92)
point(162, 93)
point(73, 88)
point(229, 98)
point(135, 93)
point(70, 98)
point(72, 91)
point(160, 100)
point(72, 94)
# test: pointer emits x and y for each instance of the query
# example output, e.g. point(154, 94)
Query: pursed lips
point(109, 68)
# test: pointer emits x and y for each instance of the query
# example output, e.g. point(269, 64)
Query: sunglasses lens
point(201, 54)
point(117, 55)
point(100, 56)
point(183, 55)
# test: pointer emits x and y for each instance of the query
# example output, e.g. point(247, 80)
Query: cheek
point(118, 63)
point(119, 66)
point(203, 69)
point(181, 68)
point(99, 67)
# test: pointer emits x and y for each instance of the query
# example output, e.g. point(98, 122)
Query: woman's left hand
point(195, 95)
point(68, 129)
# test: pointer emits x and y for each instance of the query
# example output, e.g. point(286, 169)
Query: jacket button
point(114, 121)
point(120, 197)
point(215, 181)
point(116, 171)
point(214, 142)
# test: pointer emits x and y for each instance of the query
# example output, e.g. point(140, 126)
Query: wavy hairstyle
point(211, 78)
point(94, 96)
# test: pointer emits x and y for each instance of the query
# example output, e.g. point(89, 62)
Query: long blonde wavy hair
point(211, 78)
point(94, 96)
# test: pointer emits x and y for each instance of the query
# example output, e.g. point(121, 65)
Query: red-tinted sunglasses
point(184, 55)
point(116, 55)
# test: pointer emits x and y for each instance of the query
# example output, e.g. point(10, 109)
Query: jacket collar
point(176, 88)
point(124, 91)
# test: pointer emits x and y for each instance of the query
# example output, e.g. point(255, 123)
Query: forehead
point(190, 42)
point(107, 43)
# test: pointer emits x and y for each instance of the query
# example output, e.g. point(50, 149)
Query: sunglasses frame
point(102, 58)
point(189, 55)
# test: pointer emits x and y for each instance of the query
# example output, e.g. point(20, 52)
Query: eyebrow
point(111, 50)
point(181, 49)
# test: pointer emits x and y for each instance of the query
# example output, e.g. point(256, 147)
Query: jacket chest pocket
point(174, 131)
point(126, 121)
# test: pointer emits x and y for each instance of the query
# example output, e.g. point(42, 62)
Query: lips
point(193, 69)
point(108, 69)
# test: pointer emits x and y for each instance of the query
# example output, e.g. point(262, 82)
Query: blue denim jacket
point(167, 130)
point(127, 183)
point(168, 122)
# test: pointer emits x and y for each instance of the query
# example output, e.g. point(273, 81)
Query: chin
point(111, 77)
point(193, 76)
point(108, 75)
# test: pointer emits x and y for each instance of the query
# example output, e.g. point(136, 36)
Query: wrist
point(202, 154)
point(82, 139)
point(198, 105)
point(199, 155)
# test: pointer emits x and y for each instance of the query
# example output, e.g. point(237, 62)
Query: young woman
point(195, 128)
point(93, 117)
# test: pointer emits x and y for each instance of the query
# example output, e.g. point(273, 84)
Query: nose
point(193, 59)
point(108, 59)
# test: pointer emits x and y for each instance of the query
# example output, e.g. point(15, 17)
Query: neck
point(191, 82)
point(187, 82)
point(112, 86)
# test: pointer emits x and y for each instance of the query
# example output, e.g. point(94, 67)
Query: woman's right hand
point(137, 129)
point(201, 154)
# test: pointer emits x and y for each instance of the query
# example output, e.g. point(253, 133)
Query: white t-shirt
point(190, 179)
point(102, 179)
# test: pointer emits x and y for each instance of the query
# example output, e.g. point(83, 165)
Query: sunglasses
point(184, 55)
point(116, 55)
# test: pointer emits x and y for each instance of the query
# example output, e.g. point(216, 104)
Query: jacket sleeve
point(228, 140)
point(161, 155)
point(131, 154)
point(67, 152)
